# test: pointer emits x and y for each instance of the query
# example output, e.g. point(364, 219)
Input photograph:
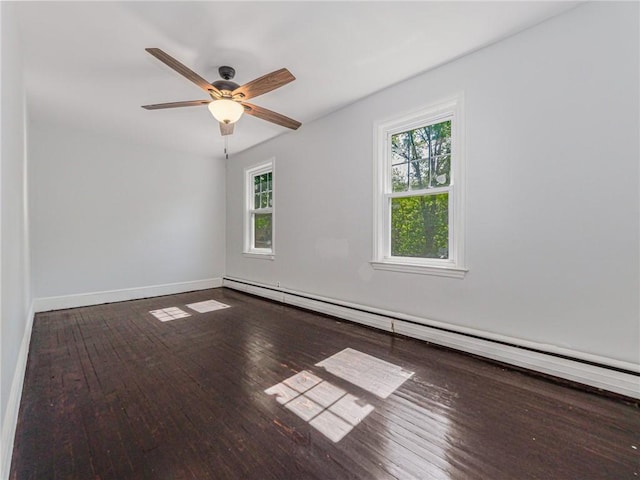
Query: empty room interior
point(320, 240)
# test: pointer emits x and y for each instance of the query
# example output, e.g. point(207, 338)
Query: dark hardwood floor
point(113, 393)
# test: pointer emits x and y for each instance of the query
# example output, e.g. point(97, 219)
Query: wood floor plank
point(113, 393)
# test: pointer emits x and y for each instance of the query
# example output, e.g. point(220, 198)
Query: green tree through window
point(420, 167)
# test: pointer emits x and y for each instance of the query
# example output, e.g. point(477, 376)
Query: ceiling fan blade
point(264, 84)
point(226, 128)
point(183, 70)
point(270, 116)
point(190, 103)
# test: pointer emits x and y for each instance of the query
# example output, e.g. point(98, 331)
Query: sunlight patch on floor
point(207, 306)
point(331, 410)
point(370, 373)
point(327, 408)
point(167, 314)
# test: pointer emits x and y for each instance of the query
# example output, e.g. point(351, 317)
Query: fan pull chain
point(226, 147)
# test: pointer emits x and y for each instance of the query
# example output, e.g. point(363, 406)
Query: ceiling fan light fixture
point(226, 111)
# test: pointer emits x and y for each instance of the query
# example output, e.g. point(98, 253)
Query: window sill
point(437, 270)
point(261, 256)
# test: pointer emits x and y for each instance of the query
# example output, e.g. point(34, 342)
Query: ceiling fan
point(227, 102)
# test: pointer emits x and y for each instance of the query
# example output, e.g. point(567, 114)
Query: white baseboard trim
point(10, 420)
point(518, 353)
point(96, 298)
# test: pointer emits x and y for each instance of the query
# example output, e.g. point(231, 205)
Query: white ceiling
point(85, 63)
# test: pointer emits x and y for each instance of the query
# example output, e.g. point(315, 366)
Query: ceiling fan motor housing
point(227, 73)
point(225, 85)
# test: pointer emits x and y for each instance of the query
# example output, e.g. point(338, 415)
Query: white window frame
point(249, 174)
point(454, 266)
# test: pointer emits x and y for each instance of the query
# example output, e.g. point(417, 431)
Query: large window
point(419, 190)
point(259, 210)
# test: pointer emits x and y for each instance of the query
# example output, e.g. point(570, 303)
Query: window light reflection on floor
point(207, 306)
point(329, 409)
point(167, 314)
point(367, 372)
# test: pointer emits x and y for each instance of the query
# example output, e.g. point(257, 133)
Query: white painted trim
point(248, 233)
point(592, 375)
point(95, 298)
point(455, 267)
point(442, 271)
point(458, 338)
point(261, 256)
point(10, 420)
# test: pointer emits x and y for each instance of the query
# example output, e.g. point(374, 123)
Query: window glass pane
point(263, 187)
point(442, 167)
point(439, 136)
point(419, 174)
point(401, 148)
point(400, 177)
point(420, 226)
point(262, 230)
point(427, 152)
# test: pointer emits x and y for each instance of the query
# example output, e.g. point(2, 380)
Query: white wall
point(552, 192)
point(111, 215)
point(15, 289)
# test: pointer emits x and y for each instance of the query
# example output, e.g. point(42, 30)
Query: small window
point(418, 210)
point(259, 186)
